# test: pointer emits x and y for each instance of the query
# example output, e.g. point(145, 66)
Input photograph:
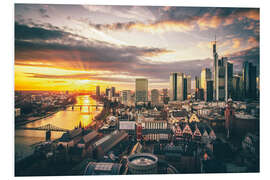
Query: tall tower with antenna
point(215, 70)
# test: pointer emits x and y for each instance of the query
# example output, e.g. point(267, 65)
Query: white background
point(7, 85)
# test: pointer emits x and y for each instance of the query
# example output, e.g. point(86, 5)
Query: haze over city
point(77, 47)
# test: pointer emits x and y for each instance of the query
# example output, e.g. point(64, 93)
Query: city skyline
point(67, 47)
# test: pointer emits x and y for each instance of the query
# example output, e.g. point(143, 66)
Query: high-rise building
point(141, 90)
point(126, 97)
point(165, 96)
point(253, 82)
point(155, 96)
point(188, 85)
point(107, 92)
point(258, 86)
point(185, 88)
point(209, 91)
point(249, 80)
point(113, 91)
point(215, 69)
point(228, 80)
point(236, 88)
point(220, 90)
point(197, 87)
point(205, 76)
point(176, 87)
point(97, 90)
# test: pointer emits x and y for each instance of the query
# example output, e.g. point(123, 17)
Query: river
point(67, 119)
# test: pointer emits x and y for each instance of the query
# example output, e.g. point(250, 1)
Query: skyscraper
point(113, 91)
point(236, 87)
point(126, 97)
point(215, 69)
point(249, 80)
point(197, 87)
point(221, 81)
point(141, 90)
point(209, 91)
point(176, 87)
point(185, 88)
point(165, 97)
point(188, 85)
point(107, 91)
point(205, 76)
point(155, 97)
point(97, 90)
point(228, 80)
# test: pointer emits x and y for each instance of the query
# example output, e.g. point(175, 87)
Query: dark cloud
point(24, 32)
point(251, 55)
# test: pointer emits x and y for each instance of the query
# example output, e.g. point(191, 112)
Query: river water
point(67, 119)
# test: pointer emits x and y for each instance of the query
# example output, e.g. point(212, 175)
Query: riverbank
point(24, 122)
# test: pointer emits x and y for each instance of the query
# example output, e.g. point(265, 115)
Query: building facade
point(126, 97)
point(155, 96)
point(176, 92)
point(141, 90)
point(228, 80)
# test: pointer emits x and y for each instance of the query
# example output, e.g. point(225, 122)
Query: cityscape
point(125, 90)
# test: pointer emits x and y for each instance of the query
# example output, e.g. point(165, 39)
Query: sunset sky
point(73, 47)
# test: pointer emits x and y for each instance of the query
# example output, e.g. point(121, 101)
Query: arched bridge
point(81, 106)
point(48, 128)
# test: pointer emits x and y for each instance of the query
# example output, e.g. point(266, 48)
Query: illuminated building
point(176, 92)
point(205, 76)
point(141, 90)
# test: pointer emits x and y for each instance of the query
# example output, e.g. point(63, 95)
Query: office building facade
point(141, 90)
point(249, 80)
point(176, 92)
point(228, 80)
point(155, 96)
point(126, 97)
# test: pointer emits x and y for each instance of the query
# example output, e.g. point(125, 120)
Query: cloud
point(136, 13)
point(181, 19)
point(24, 32)
point(251, 55)
point(253, 41)
point(236, 43)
